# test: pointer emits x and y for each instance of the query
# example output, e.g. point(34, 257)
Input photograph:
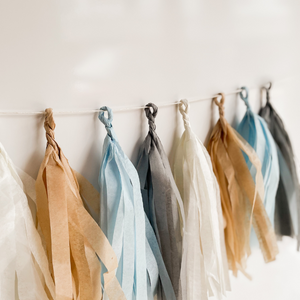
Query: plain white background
point(82, 54)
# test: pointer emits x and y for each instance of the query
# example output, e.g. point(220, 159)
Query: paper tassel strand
point(161, 198)
point(255, 131)
point(23, 264)
point(149, 234)
point(205, 266)
point(241, 196)
point(73, 240)
point(141, 268)
point(288, 194)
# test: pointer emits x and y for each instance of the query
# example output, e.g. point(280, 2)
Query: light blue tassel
point(255, 131)
point(122, 219)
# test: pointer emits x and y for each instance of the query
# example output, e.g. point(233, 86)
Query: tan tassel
point(73, 239)
point(241, 197)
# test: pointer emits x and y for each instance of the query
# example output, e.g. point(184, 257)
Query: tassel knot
point(151, 115)
point(49, 126)
point(220, 104)
point(184, 107)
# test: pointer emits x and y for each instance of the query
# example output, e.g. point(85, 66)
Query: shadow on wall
point(177, 133)
point(143, 128)
point(35, 159)
point(92, 160)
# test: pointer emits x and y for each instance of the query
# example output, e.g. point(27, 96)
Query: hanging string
point(126, 108)
point(115, 109)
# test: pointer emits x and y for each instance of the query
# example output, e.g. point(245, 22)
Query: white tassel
point(24, 270)
point(204, 272)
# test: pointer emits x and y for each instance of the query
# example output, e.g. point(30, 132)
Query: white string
point(116, 109)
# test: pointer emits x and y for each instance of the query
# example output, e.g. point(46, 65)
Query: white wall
point(79, 54)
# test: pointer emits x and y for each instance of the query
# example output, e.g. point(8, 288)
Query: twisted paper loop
point(184, 108)
point(151, 115)
point(49, 126)
point(220, 104)
point(245, 97)
point(106, 121)
point(267, 89)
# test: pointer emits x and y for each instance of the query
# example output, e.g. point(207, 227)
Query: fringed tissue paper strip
point(162, 201)
point(255, 131)
point(206, 270)
point(241, 196)
point(24, 268)
point(74, 241)
point(287, 212)
point(141, 268)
